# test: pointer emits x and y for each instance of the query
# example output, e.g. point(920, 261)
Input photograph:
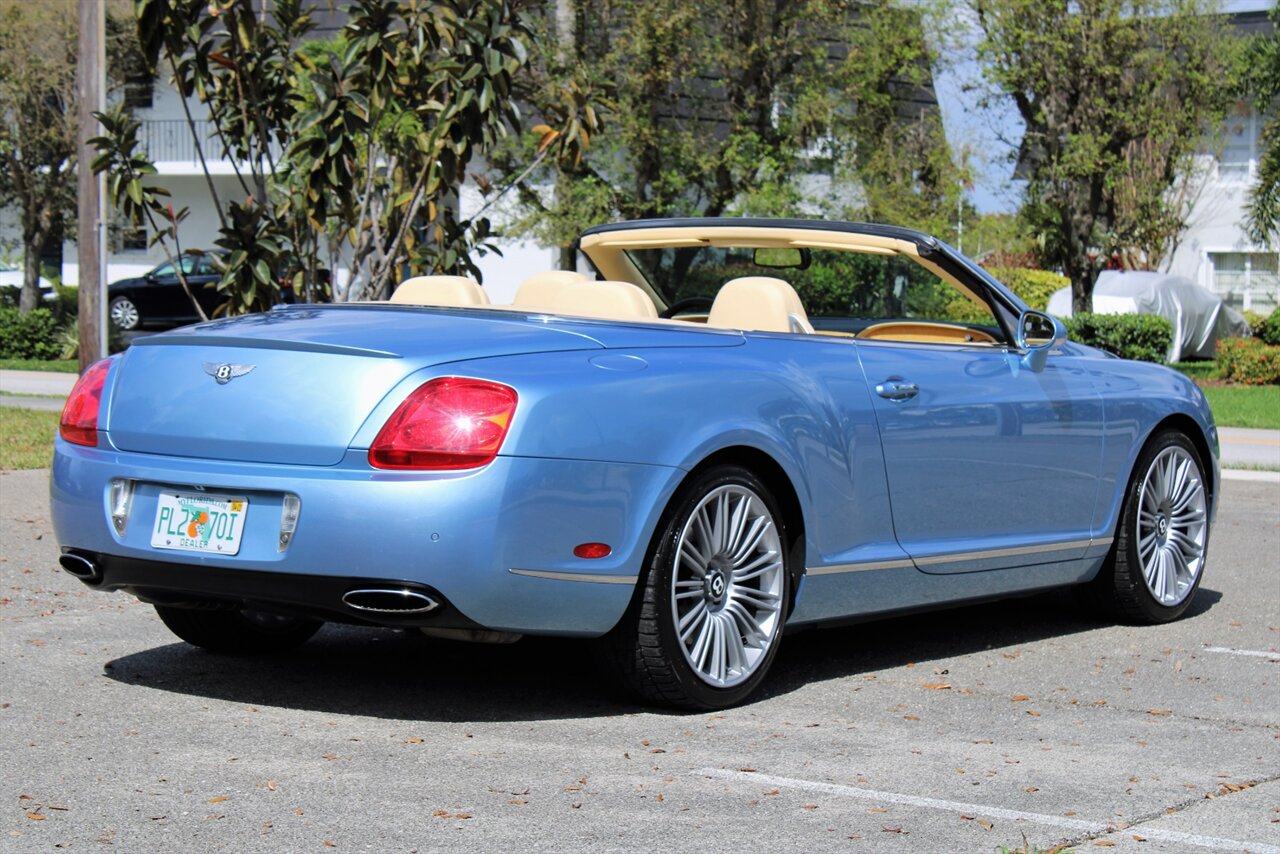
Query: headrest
point(440, 290)
point(759, 304)
point(540, 288)
point(606, 300)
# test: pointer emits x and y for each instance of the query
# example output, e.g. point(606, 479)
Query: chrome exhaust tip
point(81, 567)
point(389, 600)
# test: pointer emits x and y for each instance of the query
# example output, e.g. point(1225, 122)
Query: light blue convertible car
point(734, 426)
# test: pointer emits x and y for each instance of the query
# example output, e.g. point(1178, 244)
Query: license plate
point(198, 522)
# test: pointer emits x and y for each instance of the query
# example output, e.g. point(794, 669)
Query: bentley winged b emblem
point(225, 372)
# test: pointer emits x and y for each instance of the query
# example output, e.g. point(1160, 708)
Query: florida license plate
point(199, 522)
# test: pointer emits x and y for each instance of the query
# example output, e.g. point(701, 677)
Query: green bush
point(1268, 330)
point(28, 336)
point(1034, 287)
point(1143, 337)
point(1249, 361)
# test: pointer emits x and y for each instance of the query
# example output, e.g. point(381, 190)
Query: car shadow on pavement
point(401, 675)
point(868, 647)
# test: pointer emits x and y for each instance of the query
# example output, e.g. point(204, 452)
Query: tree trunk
point(1082, 296)
point(32, 251)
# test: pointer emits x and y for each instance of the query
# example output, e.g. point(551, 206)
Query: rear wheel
point(125, 314)
point(707, 622)
point(240, 632)
point(1163, 535)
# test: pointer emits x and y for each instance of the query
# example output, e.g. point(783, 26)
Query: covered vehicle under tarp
point(1198, 315)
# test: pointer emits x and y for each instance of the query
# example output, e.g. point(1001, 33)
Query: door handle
point(897, 389)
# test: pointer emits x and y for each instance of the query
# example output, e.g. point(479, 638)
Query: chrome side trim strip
point(1010, 552)
point(865, 566)
point(1102, 541)
point(577, 576)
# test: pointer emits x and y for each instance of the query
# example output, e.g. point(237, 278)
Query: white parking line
point(1089, 827)
point(1256, 653)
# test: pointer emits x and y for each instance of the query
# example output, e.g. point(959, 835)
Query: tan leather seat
point(540, 289)
point(440, 290)
point(605, 300)
point(759, 304)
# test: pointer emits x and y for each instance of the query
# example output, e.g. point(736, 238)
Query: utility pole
point(91, 64)
point(566, 49)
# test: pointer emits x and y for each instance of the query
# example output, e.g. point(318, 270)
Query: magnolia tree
point(670, 108)
point(38, 134)
point(1116, 96)
point(352, 147)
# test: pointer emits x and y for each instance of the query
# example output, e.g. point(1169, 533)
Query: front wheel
point(1163, 535)
point(124, 314)
point(707, 622)
point(238, 632)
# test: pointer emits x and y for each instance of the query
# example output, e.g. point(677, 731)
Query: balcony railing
point(171, 140)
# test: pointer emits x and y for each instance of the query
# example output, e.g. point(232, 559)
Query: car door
point(204, 284)
point(165, 292)
point(990, 464)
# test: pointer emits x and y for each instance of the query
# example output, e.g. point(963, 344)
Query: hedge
point(1034, 287)
point(28, 336)
point(1268, 330)
point(1143, 337)
point(1248, 360)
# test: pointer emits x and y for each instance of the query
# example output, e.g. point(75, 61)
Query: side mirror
point(1036, 335)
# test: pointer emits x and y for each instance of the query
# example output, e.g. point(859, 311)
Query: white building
point(168, 139)
point(1215, 252)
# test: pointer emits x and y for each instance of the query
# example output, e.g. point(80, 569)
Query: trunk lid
point(295, 384)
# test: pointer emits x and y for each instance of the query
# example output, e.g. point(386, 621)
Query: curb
point(1251, 475)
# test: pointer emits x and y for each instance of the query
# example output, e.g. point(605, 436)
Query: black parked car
point(157, 299)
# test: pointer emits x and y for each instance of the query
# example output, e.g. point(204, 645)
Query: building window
point(1239, 157)
point(134, 240)
point(1247, 280)
point(139, 92)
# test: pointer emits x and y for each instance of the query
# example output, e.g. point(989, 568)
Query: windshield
point(834, 284)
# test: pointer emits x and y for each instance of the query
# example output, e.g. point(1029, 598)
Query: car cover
point(1199, 316)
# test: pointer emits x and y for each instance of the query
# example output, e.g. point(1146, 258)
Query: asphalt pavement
point(1028, 722)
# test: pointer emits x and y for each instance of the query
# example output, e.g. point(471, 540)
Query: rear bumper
point(318, 596)
point(494, 545)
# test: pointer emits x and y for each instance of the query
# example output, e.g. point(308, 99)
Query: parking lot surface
point(1027, 722)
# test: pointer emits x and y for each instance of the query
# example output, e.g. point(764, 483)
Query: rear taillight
point(447, 423)
point(79, 422)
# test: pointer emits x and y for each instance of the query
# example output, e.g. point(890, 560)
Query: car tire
point(237, 632)
point(706, 621)
point(124, 314)
point(1157, 561)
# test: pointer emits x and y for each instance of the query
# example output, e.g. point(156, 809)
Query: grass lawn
point(62, 366)
point(1245, 406)
point(1235, 405)
point(1205, 370)
point(26, 438)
